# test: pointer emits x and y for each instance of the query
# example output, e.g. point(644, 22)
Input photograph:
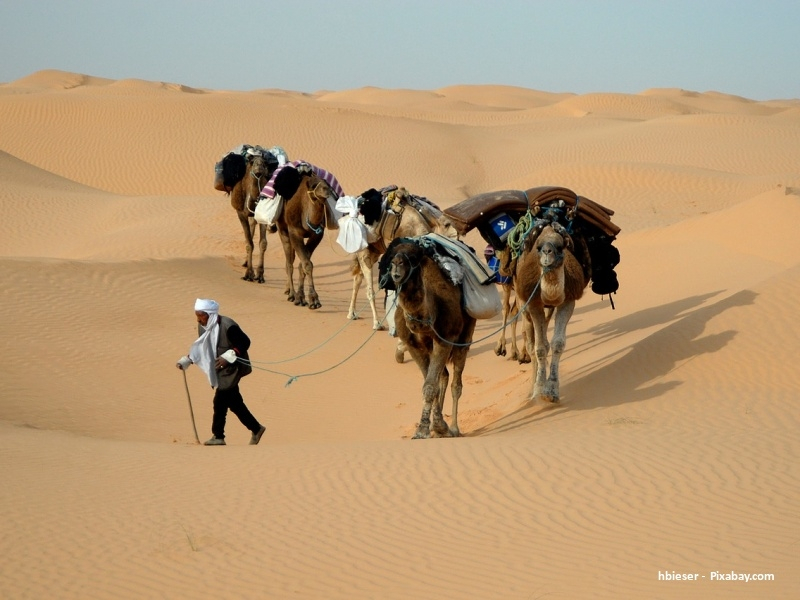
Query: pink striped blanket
point(329, 178)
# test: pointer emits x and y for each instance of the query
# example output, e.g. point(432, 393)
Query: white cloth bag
point(352, 232)
point(268, 209)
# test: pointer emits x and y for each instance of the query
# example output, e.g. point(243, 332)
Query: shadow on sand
point(636, 372)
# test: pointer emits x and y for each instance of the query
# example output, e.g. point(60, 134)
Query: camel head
point(550, 245)
point(319, 190)
point(398, 263)
point(257, 174)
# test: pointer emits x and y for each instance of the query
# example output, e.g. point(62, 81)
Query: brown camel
point(301, 225)
point(433, 324)
point(258, 166)
point(511, 307)
point(547, 275)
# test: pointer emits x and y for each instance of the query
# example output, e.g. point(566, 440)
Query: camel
point(244, 193)
point(390, 214)
point(511, 307)
point(433, 324)
point(548, 275)
point(301, 225)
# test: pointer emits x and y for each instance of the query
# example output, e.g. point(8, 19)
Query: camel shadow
point(637, 372)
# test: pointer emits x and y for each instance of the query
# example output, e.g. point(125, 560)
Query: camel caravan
point(545, 246)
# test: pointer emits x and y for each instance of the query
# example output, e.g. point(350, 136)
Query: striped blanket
point(269, 189)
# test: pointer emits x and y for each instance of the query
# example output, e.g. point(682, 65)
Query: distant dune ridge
point(674, 448)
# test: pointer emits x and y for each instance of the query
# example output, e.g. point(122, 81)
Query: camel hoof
point(548, 399)
point(440, 431)
point(352, 317)
point(421, 435)
point(248, 277)
point(399, 356)
point(315, 305)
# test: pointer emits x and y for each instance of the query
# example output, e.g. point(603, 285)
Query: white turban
point(204, 350)
point(206, 306)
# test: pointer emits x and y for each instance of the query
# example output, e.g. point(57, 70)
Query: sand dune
point(674, 448)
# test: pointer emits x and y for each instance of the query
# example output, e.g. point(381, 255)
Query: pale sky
point(746, 48)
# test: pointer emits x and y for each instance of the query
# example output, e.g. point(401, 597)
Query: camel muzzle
point(550, 256)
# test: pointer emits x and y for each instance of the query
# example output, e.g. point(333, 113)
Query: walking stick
point(191, 411)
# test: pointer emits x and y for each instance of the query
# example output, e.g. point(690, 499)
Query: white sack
point(268, 209)
point(352, 234)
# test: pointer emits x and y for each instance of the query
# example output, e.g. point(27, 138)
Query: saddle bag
point(229, 171)
point(480, 301)
point(268, 210)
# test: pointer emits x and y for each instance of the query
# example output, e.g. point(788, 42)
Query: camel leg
point(439, 426)
point(513, 311)
point(288, 251)
point(542, 349)
point(262, 248)
point(430, 389)
point(559, 342)
point(391, 311)
point(307, 272)
point(357, 279)
point(522, 356)
point(500, 347)
point(423, 362)
point(459, 357)
point(530, 343)
point(367, 269)
point(248, 246)
point(302, 272)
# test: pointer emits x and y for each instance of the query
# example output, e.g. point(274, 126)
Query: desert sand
point(674, 449)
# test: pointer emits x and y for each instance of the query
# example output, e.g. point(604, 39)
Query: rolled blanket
point(269, 189)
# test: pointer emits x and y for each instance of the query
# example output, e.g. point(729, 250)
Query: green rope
point(516, 237)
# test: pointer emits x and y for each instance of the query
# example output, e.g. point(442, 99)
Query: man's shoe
point(256, 437)
point(215, 441)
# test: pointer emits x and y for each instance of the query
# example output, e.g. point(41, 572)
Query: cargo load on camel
point(503, 217)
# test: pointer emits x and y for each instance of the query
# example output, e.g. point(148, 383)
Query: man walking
point(221, 352)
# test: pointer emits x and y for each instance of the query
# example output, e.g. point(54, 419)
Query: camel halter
point(250, 205)
point(321, 227)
